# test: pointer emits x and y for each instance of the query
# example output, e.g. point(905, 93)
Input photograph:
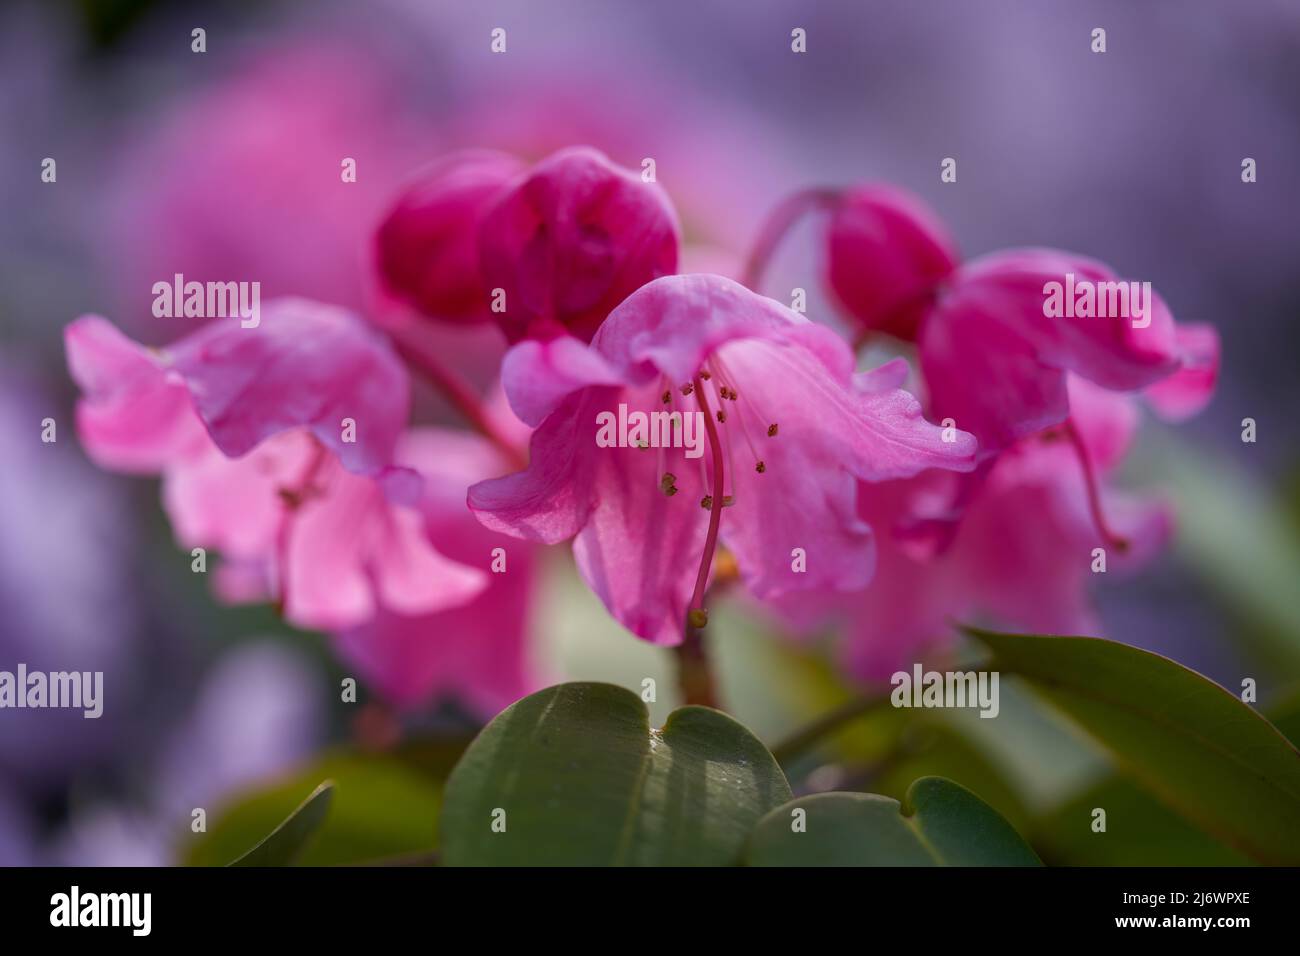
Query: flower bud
point(571, 241)
point(886, 253)
point(427, 247)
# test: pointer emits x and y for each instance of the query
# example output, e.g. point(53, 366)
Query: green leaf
point(939, 823)
point(385, 805)
point(576, 776)
point(284, 844)
point(1140, 831)
point(1191, 743)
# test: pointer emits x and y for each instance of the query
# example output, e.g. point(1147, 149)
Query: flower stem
point(1117, 541)
point(459, 395)
point(694, 671)
point(779, 222)
point(827, 723)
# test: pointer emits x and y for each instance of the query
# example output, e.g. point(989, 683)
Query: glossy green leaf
point(1193, 744)
point(939, 823)
point(285, 843)
point(574, 775)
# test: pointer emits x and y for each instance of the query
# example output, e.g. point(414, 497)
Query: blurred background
point(226, 163)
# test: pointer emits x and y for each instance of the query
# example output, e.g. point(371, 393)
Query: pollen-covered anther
point(668, 484)
point(667, 396)
point(688, 388)
point(722, 416)
point(706, 502)
point(728, 501)
point(760, 467)
point(698, 617)
point(705, 375)
point(771, 430)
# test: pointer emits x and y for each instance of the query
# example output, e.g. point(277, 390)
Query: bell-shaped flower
point(703, 412)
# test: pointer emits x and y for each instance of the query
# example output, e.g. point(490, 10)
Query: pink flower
point(571, 241)
point(995, 347)
point(997, 365)
point(427, 246)
point(783, 429)
point(1022, 556)
point(886, 255)
point(275, 445)
point(478, 649)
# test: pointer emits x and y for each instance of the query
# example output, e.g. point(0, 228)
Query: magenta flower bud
point(427, 246)
point(886, 253)
point(571, 241)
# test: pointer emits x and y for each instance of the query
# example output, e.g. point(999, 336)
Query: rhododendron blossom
point(994, 352)
point(1022, 556)
point(790, 429)
point(249, 431)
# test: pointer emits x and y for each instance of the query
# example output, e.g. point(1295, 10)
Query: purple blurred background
point(226, 164)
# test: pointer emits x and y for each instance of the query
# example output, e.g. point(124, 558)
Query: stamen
point(668, 484)
point(667, 397)
point(771, 430)
point(722, 416)
point(706, 502)
point(760, 467)
point(697, 615)
point(687, 388)
point(1116, 541)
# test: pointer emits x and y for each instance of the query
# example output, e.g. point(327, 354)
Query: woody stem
point(779, 222)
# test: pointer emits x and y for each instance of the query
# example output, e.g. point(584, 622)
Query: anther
point(760, 467)
point(705, 375)
point(706, 502)
point(722, 416)
point(699, 617)
point(667, 396)
point(771, 430)
point(668, 484)
point(688, 388)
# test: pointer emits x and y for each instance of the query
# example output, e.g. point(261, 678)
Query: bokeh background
point(226, 164)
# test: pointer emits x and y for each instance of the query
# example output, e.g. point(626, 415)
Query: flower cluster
point(288, 448)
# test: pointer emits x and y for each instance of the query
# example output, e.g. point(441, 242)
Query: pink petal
point(306, 364)
point(134, 415)
point(1189, 390)
point(538, 375)
point(551, 500)
point(640, 549)
point(479, 650)
point(995, 363)
point(349, 551)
